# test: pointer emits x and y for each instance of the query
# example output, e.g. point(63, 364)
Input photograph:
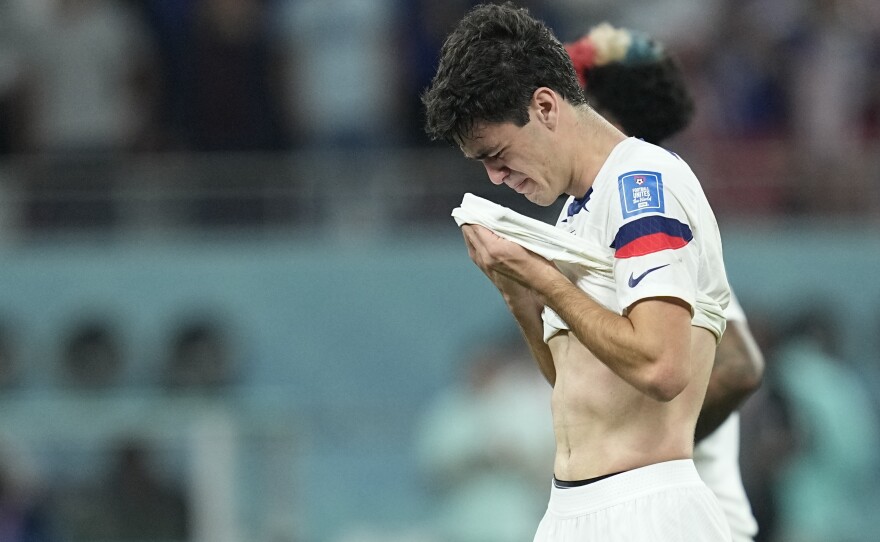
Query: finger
point(480, 232)
point(476, 247)
point(467, 242)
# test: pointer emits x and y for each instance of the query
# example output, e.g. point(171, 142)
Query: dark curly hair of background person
point(648, 100)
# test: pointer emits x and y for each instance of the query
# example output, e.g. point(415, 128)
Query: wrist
point(521, 301)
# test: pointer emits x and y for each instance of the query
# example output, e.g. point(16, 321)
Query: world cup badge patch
point(641, 192)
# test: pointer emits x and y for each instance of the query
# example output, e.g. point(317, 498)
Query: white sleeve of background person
point(717, 460)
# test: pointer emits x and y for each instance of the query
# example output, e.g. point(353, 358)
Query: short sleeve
point(655, 254)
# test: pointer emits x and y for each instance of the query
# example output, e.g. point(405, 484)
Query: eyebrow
point(483, 154)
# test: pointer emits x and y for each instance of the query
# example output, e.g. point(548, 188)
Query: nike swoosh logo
point(633, 282)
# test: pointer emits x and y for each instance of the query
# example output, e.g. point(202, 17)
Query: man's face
point(519, 157)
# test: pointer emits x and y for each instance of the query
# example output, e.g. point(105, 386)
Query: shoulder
point(635, 158)
point(635, 149)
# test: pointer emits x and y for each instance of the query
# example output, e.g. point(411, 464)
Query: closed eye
point(496, 156)
point(484, 156)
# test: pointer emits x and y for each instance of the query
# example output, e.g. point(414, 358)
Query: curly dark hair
point(490, 65)
point(649, 100)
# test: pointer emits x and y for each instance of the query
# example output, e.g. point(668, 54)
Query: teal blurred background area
point(334, 349)
point(336, 345)
point(234, 306)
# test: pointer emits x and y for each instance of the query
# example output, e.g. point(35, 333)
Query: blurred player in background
point(632, 81)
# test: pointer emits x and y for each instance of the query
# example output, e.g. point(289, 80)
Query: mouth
point(519, 188)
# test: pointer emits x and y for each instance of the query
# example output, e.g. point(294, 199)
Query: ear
point(545, 107)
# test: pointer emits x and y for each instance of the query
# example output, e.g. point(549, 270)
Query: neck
point(594, 138)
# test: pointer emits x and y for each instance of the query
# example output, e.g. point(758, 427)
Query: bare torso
point(604, 425)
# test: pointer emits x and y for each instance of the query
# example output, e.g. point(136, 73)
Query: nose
point(497, 174)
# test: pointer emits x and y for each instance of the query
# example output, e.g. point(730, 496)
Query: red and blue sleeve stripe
point(650, 234)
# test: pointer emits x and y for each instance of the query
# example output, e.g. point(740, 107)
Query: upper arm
point(737, 372)
point(739, 364)
point(662, 323)
point(663, 328)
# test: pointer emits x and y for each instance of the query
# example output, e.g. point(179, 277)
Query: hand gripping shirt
point(660, 238)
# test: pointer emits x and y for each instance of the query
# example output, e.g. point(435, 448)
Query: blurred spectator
point(683, 25)
point(12, 91)
point(746, 73)
point(423, 26)
point(871, 129)
point(827, 492)
point(830, 67)
point(486, 448)
point(199, 358)
point(23, 513)
point(87, 86)
point(89, 64)
point(829, 93)
point(92, 356)
point(10, 364)
point(171, 23)
point(130, 503)
point(223, 75)
point(344, 63)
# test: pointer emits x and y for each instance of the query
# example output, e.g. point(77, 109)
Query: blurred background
point(233, 305)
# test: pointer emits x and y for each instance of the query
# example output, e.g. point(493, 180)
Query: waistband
point(623, 487)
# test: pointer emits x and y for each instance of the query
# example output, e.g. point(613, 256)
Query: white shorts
point(665, 502)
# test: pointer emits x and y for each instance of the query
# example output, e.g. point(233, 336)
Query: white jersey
point(648, 213)
point(717, 460)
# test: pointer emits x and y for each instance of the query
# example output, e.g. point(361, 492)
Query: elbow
point(665, 392)
point(743, 362)
point(751, 379)
point(665, 381)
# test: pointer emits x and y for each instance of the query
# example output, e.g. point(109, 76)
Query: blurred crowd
point(114, 488)
point(787, 90)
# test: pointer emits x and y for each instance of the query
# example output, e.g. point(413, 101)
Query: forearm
point(526, 309)
point(736, 374)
